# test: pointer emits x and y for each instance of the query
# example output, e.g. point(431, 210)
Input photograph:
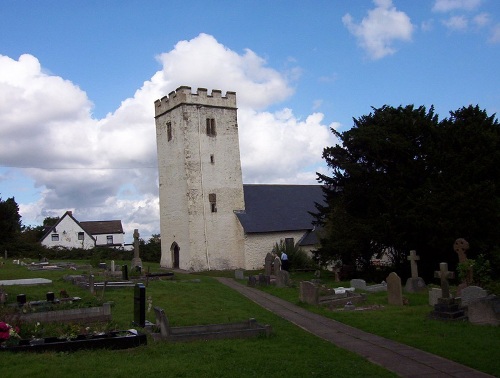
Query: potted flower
point(8, 335)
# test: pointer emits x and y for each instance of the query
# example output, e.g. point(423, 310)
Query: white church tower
point(200, 180)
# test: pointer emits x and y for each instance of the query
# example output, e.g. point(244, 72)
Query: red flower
point(4, 331)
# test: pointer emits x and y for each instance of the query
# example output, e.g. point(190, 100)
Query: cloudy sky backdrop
point(78, 81)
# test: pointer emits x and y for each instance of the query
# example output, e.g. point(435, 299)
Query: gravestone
point(50, 296)
point(91, 284)
point(485, 311)
point(282, 278)
point(112, 265)
point(415, 283)
point(336, 272)
point(471, 294)
point(252, 281)
point(461, 246)
point(434, 294)
point(277, 265)
point(140, 305)
point(394, 290)
point(3, 297)
point(136, 261)
point(21, 299)
point(309, 293)
point(125, 272)
point(358, 284)
point(268, 264)
point(447, 308)
point(239, 274)
point(264, 280)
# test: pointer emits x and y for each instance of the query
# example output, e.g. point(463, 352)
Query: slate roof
point(274, 208)
point(102, 227)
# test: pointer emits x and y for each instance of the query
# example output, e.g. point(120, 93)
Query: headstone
point(309, 293)
point(268, 264)
point(282, 278)
point(140, 305)
point(413, 258)
point(239, 274)
point(50, 296)
point(125, 272)
point(5, 253)
point(358, 284)
point(21, 299)
point(485, 311)
point(394, 290)
point(461, 246)
point(91, 284)
point(471, 294)
point(336, 271)
point(252, 281)
point(277, 265)
point(264, 280)
point(447, 308)
point(434, 294)
point(112, 265)
point(136, 261)
point(3, 297)
point(443, 274)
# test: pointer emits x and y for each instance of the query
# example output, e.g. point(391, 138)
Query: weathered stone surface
point(394, 290)
point(358, 284)
point(415, 285)
point(309, 293)
point(471, 294)
point(485, 311)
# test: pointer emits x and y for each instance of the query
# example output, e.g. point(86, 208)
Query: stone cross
point(136, 243)
point(444, 275)
point(413, 258)
point(460, 247)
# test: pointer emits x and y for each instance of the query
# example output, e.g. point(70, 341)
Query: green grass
point(289, 351)
point(460, 341)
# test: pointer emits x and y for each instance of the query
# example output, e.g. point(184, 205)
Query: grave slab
point(26, 281)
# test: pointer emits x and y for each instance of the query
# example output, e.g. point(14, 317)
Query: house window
point(213, 202)
point(212, 159)
point(211, 127)
point(169, 131)
point(289, 243)
point(80, 235)
point(55, 237)
point(109, 239)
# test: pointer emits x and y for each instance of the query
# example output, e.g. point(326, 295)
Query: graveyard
point(198, 299)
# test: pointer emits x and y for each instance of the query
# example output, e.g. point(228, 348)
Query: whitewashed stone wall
point(258, 245)
point(193, 165)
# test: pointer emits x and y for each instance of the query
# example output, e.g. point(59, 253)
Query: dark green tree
point(10, 220)
point(402, 180)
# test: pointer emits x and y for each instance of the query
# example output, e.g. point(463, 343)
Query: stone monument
point(394, 292)
point(461, 246)
point(448, 307)
point(136, 261)
point(414, 284)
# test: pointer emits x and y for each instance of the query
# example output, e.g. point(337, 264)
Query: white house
point(208, 218)
point(69, 233)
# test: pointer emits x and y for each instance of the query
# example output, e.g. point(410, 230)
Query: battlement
point(183, 95)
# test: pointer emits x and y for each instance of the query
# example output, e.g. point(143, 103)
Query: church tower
point(200, 180)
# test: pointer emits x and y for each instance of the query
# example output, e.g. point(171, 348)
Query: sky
point(78, 81)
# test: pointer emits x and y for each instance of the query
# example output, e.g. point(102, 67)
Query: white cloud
point(378, 31)
point(481, 20)
point(495, 34)
point(450, 5)
point(104, 168)
point(456, 23)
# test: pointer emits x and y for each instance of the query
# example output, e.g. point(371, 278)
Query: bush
point(297, 258)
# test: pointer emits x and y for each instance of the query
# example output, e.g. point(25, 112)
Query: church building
point(210, 220)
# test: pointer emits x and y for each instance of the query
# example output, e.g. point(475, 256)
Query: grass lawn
point(289, 352)
point(460, 341)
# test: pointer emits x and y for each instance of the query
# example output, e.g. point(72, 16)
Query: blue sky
point(78, 80)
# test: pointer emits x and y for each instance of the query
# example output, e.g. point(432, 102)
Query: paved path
point(396, 357)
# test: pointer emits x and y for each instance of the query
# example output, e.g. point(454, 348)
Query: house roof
point(103, 227)
point(273, 208)
point(48, 230)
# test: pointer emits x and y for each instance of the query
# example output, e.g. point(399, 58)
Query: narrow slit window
point(169, 131)
point(212, 159)
point(211, 127)
point(212, 198)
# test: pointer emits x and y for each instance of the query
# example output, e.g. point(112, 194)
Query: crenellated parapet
point(183, 95)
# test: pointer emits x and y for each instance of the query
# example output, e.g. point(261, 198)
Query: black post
point(125, 272)
point(140, 305)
